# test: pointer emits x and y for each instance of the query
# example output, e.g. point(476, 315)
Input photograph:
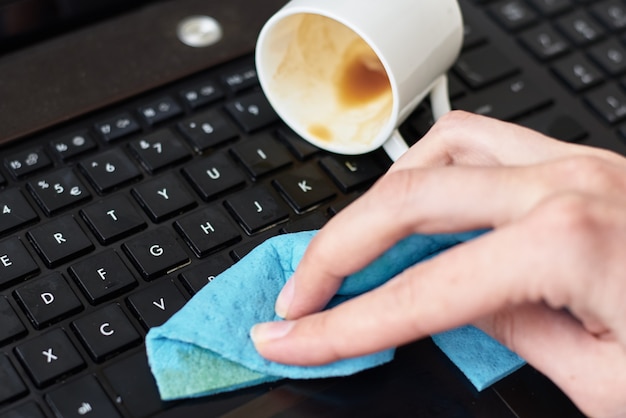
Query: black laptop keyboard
point(110, 223)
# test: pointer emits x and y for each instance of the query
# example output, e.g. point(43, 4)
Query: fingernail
point(269, 331)
point(284, 299)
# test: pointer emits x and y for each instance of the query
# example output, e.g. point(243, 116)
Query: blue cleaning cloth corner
point(205, 348)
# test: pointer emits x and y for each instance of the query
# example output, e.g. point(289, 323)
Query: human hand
point(548, 281)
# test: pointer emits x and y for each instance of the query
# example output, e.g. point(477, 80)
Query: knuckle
point(396, 188)
point(446, 128)
point(458, 134)
point(588, 172)
point(569, 215)
point(335, 346)
point(502, 327)
point(407, 296)
point(568, 224)
point(452, 119)
point(314, 340)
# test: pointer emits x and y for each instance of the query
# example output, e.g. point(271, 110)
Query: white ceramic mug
point(344, 74)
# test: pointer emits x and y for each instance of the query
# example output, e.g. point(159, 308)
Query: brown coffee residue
point(321, 132)
point(332, 82)
point(361, 79)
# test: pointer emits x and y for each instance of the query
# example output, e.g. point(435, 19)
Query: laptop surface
point(81, 86)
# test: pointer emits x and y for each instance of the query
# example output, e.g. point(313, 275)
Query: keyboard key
point(213, 175)
point(113, 218)
point(58, 190)
point(25, 410)
point(241, 250)
point(545, 42)
point(12, 326)
point(622, 132)
point(580, 28)
point(70, 145)
point(305, 187)
point(473, 35)
point(577, 72)
point(49, 357)
point(310, 222)
point(513, 14)
point(352, 172)
point(612, 14)
point(610, 56)
point(133, 385)
point(482, 66)
point(164, 197)
point(12, 384)
point(27, 162)
point(256, 209)
point(159, 150)
point(109, 169)
point(117, 127)
point(552, 7)
point(505, 101)
point(60, 240)
point(262, 155)
point(421, 120)
point(48, 299)
point(160, 110)
point(559, 126)
point(16, 262)
point(609, 102)
point(106, 332)
point(102, 276)
point(156, 304)
point(241, 78)
point(201, 94)
point(15, 211)
point(207, 130)
point(252, 111)
point(200, 275)
point(82, 397)
point(156, 253)
point(300, 148)
point(207, 230)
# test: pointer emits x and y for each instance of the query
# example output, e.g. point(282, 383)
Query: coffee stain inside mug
point(320, 131)
point(361, 78)
point(336, 85)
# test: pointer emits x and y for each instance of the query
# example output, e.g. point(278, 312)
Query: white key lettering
point(47, 298)
point(49, 355)
point(106, 330)
point(6, 261)
point(164, 194)
point(156, 251)
point(112, 214)
point(304, 187)
point(160, 304)
point(207, 227)
point(213, 173)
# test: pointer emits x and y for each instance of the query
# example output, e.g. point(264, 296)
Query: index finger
point(405, 202)
point(462, 138)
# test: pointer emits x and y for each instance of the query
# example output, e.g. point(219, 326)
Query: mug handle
point(439, 99)
point(395, 146)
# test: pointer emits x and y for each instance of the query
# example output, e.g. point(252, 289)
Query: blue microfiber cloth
point(205, 348)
